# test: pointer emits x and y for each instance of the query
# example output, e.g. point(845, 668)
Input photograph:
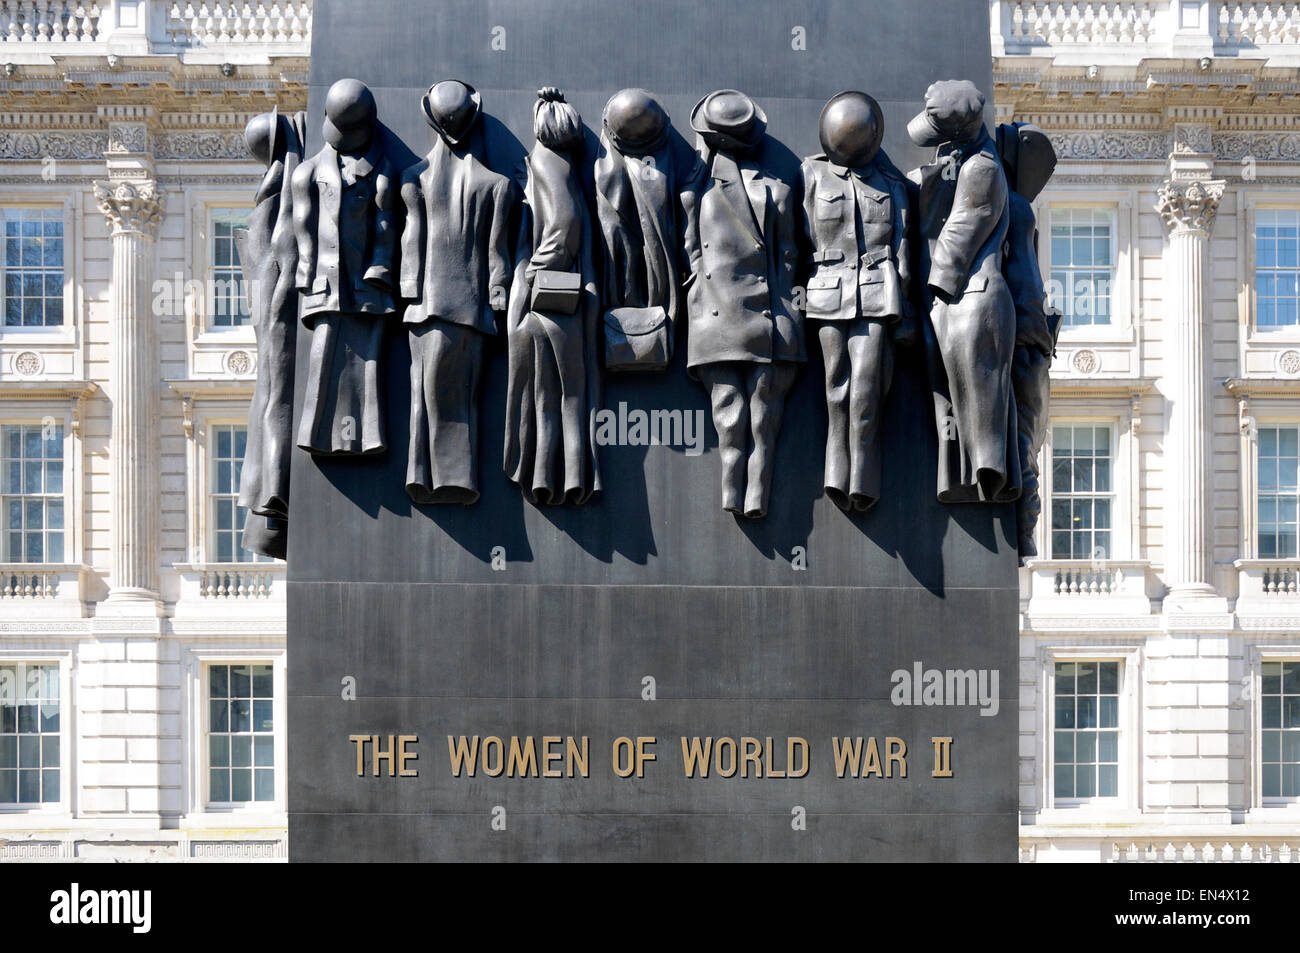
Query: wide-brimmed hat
point(452, 107)
point(350, 115)
point(954, 112)
point(851, 128)
point(635, 121)
point(1027, 155)
point(263, 136)
point(728, 119)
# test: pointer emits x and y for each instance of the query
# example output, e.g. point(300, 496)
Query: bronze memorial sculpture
point(324, 239)
point(856, 219)
point(745, 337)
point(637, 208)
point(971, 334)
point(268, 253)
point(552, 333)
point(455, 272)
point(1028, 160)
point(343, 218)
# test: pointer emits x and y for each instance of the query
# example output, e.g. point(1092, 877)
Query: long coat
point(455, 274)
point(553, 389)
point(346, 240)
point(637, 209)
point(345, 254)
point(268, 252)
point(455, 240)
point(971, 334)
point(741, 247)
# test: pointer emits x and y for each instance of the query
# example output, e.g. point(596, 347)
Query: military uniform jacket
point(856, 223)
point(344, 228)
point(740, 243)
point(456, 260)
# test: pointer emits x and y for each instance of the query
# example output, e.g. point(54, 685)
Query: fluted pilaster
point(134, 208)
point(1188, 209)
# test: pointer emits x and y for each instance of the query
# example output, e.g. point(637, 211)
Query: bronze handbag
point(557, 292)
point(637, 339)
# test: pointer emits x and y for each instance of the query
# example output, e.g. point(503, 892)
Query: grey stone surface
point(649, 577)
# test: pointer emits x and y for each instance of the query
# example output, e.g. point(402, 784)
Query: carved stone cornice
point(131, 205)
point(1189, 206)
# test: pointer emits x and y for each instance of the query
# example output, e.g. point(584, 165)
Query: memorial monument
point(824, 667)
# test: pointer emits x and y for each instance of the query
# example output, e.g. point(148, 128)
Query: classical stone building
point(142, 651)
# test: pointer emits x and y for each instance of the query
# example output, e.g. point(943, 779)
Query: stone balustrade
point(158, 26)
point(32, 590)
point(1070, 587)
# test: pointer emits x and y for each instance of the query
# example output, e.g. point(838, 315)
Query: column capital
point(1189, 205)
point(131, 205)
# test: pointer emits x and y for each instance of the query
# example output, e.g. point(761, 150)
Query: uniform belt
point(873, 258)
point(829, 255)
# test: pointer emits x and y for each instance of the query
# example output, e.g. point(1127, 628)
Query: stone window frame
point(205, 403)
point(200, 811)
point(1274, 411)
point(1129, 800)
point(36, 412)
point(1116, 413)
point(1280, 809)
point(18, 817)
point(198, 244)
point(70, 333)
point(1251, 201)
point(1124, 308)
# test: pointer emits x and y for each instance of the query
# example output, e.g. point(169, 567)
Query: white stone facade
point(1176, 123)
point(126, 119)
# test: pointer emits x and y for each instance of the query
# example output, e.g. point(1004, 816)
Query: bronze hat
point(452, 107)
point(728, 119)
point(851, 128)
point(954, 112)
point(635, 121)
point(263, 136)
point(350, 115)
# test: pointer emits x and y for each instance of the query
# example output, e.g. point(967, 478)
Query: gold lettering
point(895, 750)
point(360, 742)
point(403, 756)
point(382, 755)
point(942, 758)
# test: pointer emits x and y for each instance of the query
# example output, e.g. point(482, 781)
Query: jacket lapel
point(727, 174)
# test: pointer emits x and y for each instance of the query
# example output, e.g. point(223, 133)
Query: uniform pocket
point(824, 295)
point(830, 205)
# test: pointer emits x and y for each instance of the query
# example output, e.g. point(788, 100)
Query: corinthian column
point(133, 208)
point(1188, 209)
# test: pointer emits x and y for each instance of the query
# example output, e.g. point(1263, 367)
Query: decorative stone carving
point(1196, 138)
point(1189, 206)
point(1110, 145)
point(201, 144)
point(239, 363)
point(455, 274)
point(553, 387)
point(131, 205)
point(131, 137)
point(343, 203)
point(1262, 146)
point(745, 337)
point(55, 145)
point(1028, 160)
point(28, 363)
point(970, 338)
point(1288, 362)
point(1085, 361)
point(856, 218)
